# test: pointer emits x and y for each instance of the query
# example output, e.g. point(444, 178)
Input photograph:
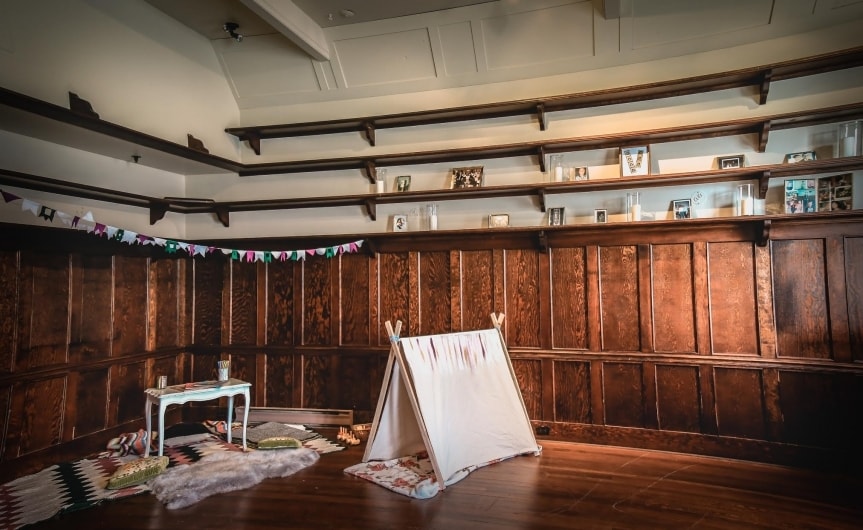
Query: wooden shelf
point(757, 126)
point(759, 77)
point(158, 206)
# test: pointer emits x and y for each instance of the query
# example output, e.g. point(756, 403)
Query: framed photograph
point(400, 223)
point(403, 183)
point(580, 173)
point(834, 193)
point(682, 208)
point(498, 220)
point(467, 177)
point(729, 162)
point(800, 196)
point(803, 156)
point(556, 216)
point(634, 161)
point(600, 216)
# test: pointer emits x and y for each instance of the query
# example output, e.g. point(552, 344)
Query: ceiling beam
point(293, 23)
point(611, 9)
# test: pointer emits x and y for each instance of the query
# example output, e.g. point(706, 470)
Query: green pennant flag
point(268, 257)
point(235, 255)
point(171, 246)
point(118, 236)
point(331, 251)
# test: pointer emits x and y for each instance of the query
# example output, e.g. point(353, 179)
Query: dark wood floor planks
point(568, 486)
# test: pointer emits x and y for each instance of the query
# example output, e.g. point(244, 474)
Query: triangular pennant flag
point(250, 256)
point(129, 237)
point(99, 229)
point(111, 231)
point(331, 252)
point(268, 257)
point(29, 206)
point(65, 218)
point(235, 254)
point(9, 197)
point(47, 213)
point(170, 246)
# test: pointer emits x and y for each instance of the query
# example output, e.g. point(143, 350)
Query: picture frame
point(729, 162)
point(467, 177)
point(634, 161)
point(580, 173)
point(400, 223)
point(800, 196)
point(403, 183)
point(682, 208)
point(498, 220)
point(835, 193)
point(556, 216)
point(802, 156)
point(600, 216)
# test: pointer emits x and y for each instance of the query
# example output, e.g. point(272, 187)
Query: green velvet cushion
point(137, 471)
point(279, 442)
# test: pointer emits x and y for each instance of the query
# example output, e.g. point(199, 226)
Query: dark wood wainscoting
point(664, 337)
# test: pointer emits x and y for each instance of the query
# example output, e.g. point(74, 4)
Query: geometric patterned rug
point(71, 486)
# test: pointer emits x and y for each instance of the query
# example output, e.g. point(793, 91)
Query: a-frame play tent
point(453, 396)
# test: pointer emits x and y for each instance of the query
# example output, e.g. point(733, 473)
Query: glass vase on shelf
point(850, 139)
point(744, 201)
point(555, 168)
point(633, 206)
point(380, 180)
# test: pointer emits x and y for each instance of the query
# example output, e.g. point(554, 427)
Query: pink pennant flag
point(353, 247)
point(250, 256)
point(99, 229)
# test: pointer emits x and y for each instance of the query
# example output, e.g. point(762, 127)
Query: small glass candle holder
point(162, 382)
point(380, 180)
point(224, 370)
point(850, 139)
point(744, 200)
point(431, 213)
point(555, 166)
point(633, 206)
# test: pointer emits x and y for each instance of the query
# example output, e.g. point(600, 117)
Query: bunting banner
point(88, 224)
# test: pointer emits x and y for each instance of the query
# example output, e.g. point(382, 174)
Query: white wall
point(171, 81)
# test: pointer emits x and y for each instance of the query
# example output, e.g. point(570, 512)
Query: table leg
point(148, 407)
point(162, 407)
point(245, 415)
point(230, 416)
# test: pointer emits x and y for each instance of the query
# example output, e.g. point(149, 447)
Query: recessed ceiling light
point(347, 13)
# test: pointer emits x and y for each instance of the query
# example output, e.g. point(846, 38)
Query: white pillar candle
point(849, 147)
point(747, 206)
point(635, 212)
point(558, 174)
point(433, 221)
point(379, 185)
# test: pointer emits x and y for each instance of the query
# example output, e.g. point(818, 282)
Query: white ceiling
point(208, 17)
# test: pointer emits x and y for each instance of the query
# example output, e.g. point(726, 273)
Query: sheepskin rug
point(221, 472)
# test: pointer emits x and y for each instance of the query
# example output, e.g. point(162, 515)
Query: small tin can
point(163, 381)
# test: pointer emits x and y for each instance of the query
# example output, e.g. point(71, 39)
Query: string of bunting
point(87, 224)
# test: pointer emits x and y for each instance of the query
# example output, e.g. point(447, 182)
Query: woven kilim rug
point(71, 486)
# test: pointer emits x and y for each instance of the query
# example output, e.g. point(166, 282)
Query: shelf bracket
point(763, 183)
point(370, 171)
point(763, 136)
point(541, 116)
point(81, 106)
point(541, 154)
point(370, 247)
point(540, 193)
point(372, 209)
point(765, 86)
point(542, 241)
point(158, 210)
point(369, 132)
point(196, 144)
point(254, 140)
point(223, 214)
point(764, 235)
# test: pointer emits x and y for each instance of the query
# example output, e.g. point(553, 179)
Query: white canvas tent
point(454, 396)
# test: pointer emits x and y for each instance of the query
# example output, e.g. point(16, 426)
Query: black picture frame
point(556, 216)
point(467, 177)
point(403, 183)
point(682, 208)
point(729, 162)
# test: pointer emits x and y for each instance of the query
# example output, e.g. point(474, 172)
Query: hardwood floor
point(568, 486)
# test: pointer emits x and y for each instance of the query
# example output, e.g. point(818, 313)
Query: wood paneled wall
point(660, 339)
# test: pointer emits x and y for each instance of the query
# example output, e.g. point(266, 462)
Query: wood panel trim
point(840, 332)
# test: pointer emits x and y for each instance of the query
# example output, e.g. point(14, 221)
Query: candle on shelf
point(633, 206)
point(745, 200)
point(379, 186)
point(380, 179)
